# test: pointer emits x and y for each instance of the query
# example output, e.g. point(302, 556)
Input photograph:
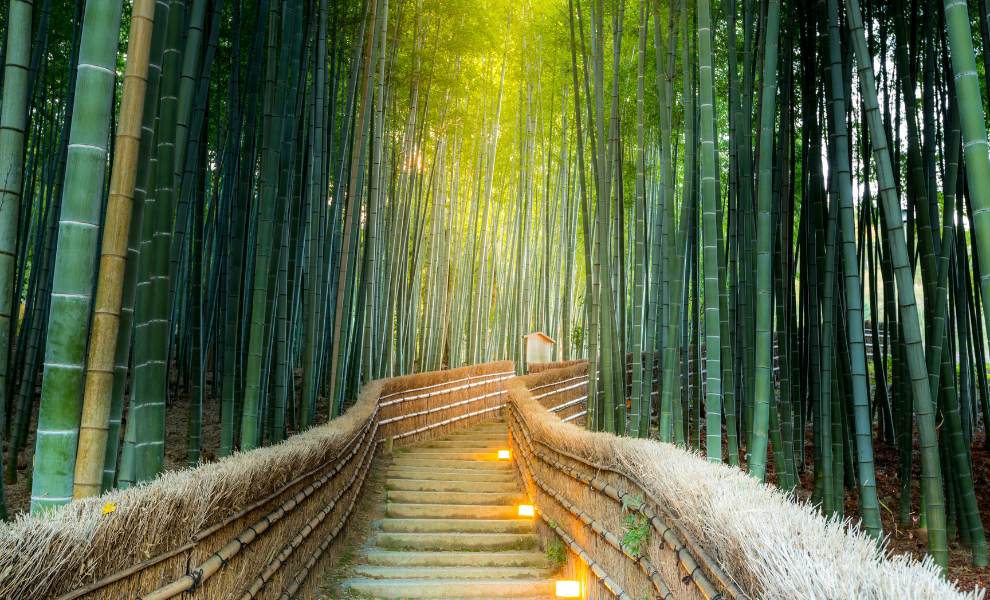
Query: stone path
point(451, 526)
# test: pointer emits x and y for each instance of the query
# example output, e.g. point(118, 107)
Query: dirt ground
point(176, 437)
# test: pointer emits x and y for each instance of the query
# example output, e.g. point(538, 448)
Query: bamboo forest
point(763, 226)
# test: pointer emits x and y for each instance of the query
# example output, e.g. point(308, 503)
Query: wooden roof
point(540, 334)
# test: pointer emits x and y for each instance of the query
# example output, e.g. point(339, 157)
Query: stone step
point(492, 542)
point(449, 474)
point(450, 454)
point(490, 499)
point(451, 588)
point(423, 460)
point(441, 511)
point(456, 526)
point(505, 559)
point(477, 432)
point(375, 572)
point(490, 426)
point(465, 449)
point(470, 441)
point(431, 485)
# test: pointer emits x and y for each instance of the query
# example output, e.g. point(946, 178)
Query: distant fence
point(538, 367)
point(252, 526)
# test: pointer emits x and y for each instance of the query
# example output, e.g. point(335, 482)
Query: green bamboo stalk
point(195, 427)
point(869, 509)
point(58, 420)
point(335, 383)
point(122, 214)
point(711, 225)
point(13, 127)
point(931, 476)
point(974, 135)
point(268, 235)
point(639, 268)
point(763, 392)
point(150, 415)
point(235, 270)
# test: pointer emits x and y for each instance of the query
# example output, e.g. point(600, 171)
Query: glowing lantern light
point(526, 510)
point(568, 589)
point(504, 455)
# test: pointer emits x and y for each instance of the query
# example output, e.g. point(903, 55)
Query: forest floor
point(911, 539)
point(176, 437)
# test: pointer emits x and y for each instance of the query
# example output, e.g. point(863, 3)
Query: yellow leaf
point(109, 508)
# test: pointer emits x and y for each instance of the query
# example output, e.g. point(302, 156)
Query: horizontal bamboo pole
point(562, 381)
point(575, 416)
point(599, 572)
point(441, 392)
point(276, 563)
point(690, 564)
point(439, 408)
point(448, 421)
point(436, 385)
point(563, 389)
point(567, 405)
point(290, 590)
point(644, 562)
point(219, 558)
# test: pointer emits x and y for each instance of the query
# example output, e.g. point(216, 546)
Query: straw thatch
point(766, 545)
point(265, 519)
point(540, 367)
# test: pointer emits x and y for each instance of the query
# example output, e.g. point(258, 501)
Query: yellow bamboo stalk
point(106, 320)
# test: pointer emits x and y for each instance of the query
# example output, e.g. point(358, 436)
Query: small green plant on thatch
point(556, 554)
point(636, 532)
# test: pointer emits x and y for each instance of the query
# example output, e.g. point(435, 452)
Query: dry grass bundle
point(536, 367)
point(768, 545)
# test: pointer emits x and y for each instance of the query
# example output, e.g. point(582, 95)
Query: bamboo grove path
point(452, 527)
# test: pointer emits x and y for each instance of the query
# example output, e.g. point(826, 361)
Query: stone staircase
point(452, 528)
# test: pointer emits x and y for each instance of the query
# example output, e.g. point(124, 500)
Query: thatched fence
point(643, 518)
point(251, 526)
point(639, 518)
point(540, 367)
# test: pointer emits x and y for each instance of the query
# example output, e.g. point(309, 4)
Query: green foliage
point(577, 336)
point(556, 554)
point(635, 529)
point(636, 534)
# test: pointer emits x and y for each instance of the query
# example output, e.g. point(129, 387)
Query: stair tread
point(457, 498)
point(451, 528)
point(427, 554)
point(513, 573)
point(448, 526)
point(452, 486)
point(424, 460)
point(426, 474)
